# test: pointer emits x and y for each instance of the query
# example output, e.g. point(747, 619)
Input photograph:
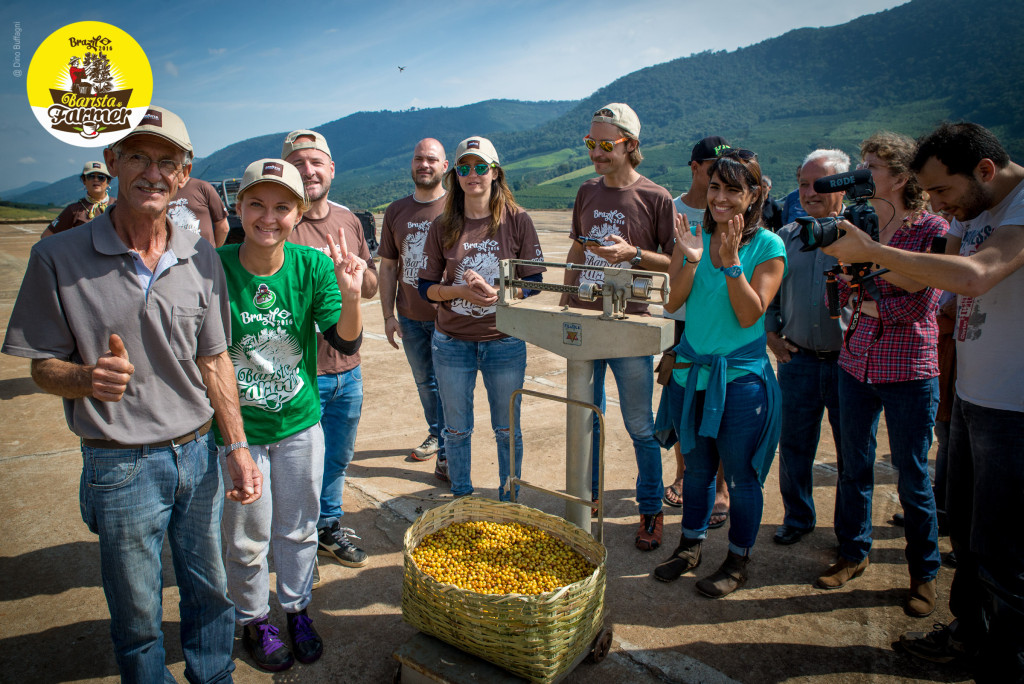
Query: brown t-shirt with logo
point(196, 207)
point(82, 211)
point(402, 237)
point(642, 214)
point(516, 239)
point(313, 233)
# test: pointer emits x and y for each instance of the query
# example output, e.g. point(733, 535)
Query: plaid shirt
point(907, 348)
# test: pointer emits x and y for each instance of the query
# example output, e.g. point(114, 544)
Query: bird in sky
point(401, 68)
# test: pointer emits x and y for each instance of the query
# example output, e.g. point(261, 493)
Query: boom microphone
point(841, 182)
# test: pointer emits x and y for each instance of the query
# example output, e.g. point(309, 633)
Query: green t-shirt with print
point(274, 322)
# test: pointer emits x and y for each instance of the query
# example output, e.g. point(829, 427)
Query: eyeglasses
point(140, 162)
point(745, 155)
point(481, 169)
point(606, 145)
point(96, 177)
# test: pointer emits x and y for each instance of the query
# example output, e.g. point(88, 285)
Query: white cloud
point(218, 51)
point(171, 68)
point(27, 160)
point(331, 30)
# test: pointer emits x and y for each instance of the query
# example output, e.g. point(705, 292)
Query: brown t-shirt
point(642, 214)
point(82, 211)
point(402, 237)
point(196, 207)
point(313, 233)
point(516, 239)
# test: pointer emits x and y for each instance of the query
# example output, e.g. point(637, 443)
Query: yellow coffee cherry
point(500, 558)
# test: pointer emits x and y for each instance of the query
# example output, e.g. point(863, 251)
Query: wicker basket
point(537, 636)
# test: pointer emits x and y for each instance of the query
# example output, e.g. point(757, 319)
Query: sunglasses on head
point(481, 169)
point(606, 145)
point(96, 177)
point(745, 155)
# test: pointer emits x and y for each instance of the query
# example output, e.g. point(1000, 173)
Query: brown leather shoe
point(648, 535)
point(727, 579)
point(921, 599)
point(841, 573)
point(686, 557)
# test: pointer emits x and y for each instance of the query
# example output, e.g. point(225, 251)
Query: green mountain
point(904, 69)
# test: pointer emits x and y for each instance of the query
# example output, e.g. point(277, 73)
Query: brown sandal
point(674, 494)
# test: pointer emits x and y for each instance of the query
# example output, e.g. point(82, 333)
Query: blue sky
point(236, 70)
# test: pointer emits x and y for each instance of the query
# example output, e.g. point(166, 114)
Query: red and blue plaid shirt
point(907, 348)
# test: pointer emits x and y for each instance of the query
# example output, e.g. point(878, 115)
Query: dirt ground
point(54, 624)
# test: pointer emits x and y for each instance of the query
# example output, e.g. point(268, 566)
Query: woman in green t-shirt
point(723, 397)
point(281, 295)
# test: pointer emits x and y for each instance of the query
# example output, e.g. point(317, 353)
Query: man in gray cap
point(96, 180)
point(625, 219)
point(339, 376)
point(155, 295)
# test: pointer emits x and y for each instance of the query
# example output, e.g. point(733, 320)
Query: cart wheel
point(602, 645)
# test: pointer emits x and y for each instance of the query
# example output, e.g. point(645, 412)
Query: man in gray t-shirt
point(126, 318)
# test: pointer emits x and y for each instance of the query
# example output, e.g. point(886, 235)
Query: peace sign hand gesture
point(348, 267)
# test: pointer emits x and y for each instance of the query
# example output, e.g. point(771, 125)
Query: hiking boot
point(686, 557)
point(264, 646)
point(921, 599)
point(306, 643)
point(424, 451)
point(334, 543)
point(841, 573)
point(648, 535)
point(727, 579)
point(938, 646)
point(441, 470)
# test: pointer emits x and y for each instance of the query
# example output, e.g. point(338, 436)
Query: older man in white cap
point(625, 219)
point(339, 376)
point(155, 295)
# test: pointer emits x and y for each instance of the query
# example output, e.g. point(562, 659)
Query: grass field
point(18, 214)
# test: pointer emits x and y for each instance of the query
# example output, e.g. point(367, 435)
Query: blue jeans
point(416, 336)
point(341, 404)
point(456, 362)
point(909, 415)
point(133, 498)
point(809, 386)
point(634, 377)
point(742, 421)
point(985, 481)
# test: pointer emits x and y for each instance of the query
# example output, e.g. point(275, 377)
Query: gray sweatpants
point(283, 519)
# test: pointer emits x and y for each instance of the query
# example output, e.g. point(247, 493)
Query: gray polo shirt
point(81, 285)
point(799, 312)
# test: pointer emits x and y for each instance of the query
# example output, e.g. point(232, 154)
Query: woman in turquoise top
point(723, 398)
point(281, 296)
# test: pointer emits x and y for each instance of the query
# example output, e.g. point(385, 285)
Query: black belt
point(820, 355)
point(178, 441)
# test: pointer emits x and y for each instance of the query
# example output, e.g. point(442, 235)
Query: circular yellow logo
point(89, 84)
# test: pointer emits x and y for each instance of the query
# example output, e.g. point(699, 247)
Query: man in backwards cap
point(139, 356)
point(338, 375)
point(627, 218)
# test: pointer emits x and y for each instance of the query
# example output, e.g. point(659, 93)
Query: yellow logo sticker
point(89, 84)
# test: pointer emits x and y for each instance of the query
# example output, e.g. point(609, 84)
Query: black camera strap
point(869, 287)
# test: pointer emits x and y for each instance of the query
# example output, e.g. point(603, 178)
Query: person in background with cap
point(198, 209)
point(96, 180)
point(281, 294)
point(139, 355)
point(702, 156)
point(339, 376)
point(629, 218)
point(402, 238)
point(480, 225)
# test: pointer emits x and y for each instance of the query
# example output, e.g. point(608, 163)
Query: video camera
point(859, 188)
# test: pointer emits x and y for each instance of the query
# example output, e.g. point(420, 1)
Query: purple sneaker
point(266, 648)
point(306, 642)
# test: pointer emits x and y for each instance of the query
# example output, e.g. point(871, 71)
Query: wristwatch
point(235, 446)
point(635, 261)
point(732, 271)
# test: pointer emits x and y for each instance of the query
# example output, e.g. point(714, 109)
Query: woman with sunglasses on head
point(281, 295)
point(480, 225)
point(724, 400)
point(889, 361)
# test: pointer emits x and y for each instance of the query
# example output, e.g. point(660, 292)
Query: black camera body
point(859, 188)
